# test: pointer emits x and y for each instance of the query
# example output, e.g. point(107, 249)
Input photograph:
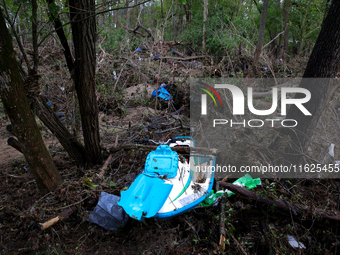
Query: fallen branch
point(188, 58)
point(61, 216)
point(107, 162)
point(179, 149)
point(269, 93)
point(238, 244)
point(103, 169)
point(182, 55)
point(284, 205)
point(222, 225)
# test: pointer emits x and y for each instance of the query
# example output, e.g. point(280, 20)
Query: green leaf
point(54, 9)
point(182, 1)
point(112, 184)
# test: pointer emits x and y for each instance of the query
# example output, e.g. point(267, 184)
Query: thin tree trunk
point(100, 19)
point(63, 40)
point(261, 35)
point(287, 4)
point(128, 10)
point(14, 98)
point(35, 37)
point(205, 20)
point(115, 18)
point(187, 14)
point(303, 27)
point(84, 40)
point(52, 122)
point(20, 42)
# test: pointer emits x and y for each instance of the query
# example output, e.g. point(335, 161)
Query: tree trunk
point(84, 40)
point(100, 4)
point(324, 62)
point(35, 37)
point(63, 39)
point(187, 14)
point(261, 35)
point(287, 4)
point(17, 107)
point(52, 122)
point(303, 28)
point(128, 13)
point(205, 20)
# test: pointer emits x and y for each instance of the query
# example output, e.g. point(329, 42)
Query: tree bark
point(205, 20)
point(128, 14)
point(287, 4)
point(84, 40)
point(35, 37)
point(187, 14)
point(303, 28)
point(14, 98)
point(74, 148)
point(261, 34)
point(62, 37)
point(324, 62)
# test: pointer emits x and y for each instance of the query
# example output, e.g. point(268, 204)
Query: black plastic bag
point(108, 214)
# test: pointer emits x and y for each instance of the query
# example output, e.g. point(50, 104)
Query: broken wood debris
point(284, 205)
point(61, 216)
point(152, 147)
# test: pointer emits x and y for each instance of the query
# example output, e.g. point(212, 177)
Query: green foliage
point(54, 9)
point(118, 39)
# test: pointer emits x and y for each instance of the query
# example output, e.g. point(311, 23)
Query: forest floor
point(251, 227)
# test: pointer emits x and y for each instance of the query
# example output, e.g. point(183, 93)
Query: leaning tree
point(16, 104)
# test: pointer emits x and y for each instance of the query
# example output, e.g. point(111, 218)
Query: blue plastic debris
point(48, 103)
point(139, 49)
point(152, 194)
point(151, 189)
point(162, 93)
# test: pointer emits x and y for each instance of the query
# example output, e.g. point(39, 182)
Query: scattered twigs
point(264, 94)
point(186, 58)
point(26, 176)
point(157, 85)
point(151, 147)
point(222, 223)
point(238, 244)
point(284, 205)
point(114, 88)
point(139, 25)
point(273, 39)
point(61, 216)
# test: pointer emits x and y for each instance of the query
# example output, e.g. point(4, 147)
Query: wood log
point(61, 216)
point(179, 149)
point(182, 55)
point(297, 210)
